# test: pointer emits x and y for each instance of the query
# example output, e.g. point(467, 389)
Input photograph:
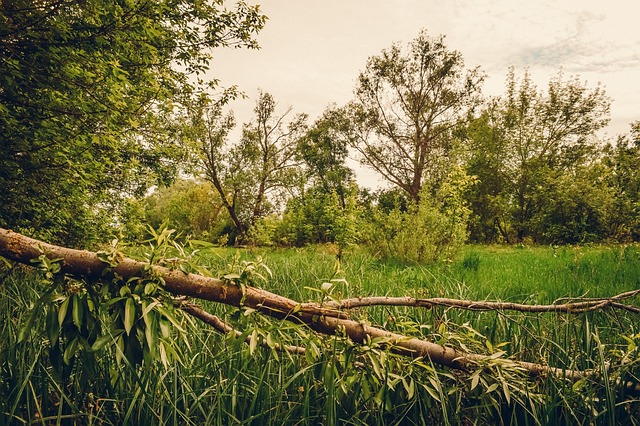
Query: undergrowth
point(218, 379)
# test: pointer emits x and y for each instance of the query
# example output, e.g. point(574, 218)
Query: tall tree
point(528, 139)
point(249, 175)
point(623, 162)
point(407, 103)
point(324, 151)
point(83, 87)
point(326, 208)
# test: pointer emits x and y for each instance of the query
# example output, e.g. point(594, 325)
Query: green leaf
point(77, 311)
point(151, 333)
point(129, 315)
point(62, 312)
point(104, 340)
point(150, 288)
point(376, 365)
point(231, 277)
point(24, 331)
point(200, 243)
point(270, 341)
point(168, 315)
point(432, 392)
point(146, 308)
point(409, 386)
point(70, 351)
point(253, 343)
point(578, 385)
point(53, 327)
point(6, 263)
point(113, 301)
point(475, 377)
point(491, 388)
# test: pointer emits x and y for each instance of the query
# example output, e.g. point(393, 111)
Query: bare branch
point(224, 328)
point(579, 306)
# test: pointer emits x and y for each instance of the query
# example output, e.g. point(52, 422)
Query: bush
point(320, 217)
point(432, 229)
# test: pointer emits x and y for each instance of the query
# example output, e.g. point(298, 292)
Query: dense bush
point(430, 230)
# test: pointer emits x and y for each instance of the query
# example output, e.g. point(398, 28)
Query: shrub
point(432, 229)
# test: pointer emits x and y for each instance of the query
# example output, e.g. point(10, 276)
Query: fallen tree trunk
point(80, 263)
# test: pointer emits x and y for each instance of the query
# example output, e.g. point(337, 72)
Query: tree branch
point(577, 307)
point(224, 328)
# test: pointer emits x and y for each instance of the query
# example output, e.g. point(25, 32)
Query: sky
point(312, 51)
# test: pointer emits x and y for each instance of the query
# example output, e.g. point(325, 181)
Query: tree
point(488, 199)
point(429, 230)
point(525, 141)
point(324, 151)
point(326, 209)
point(406, 105)
point(191, 207)
point(256, 171)
point(141, 339)
point(623, 177)
point(84, 91)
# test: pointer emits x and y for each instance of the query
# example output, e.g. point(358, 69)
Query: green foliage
point(253, 174)
point(574, 209)
point(431, 230)
point(324, 150)
point(622, 176)
point(85, 92)
point(528, 144)
point(321, 217)
point(191, 206)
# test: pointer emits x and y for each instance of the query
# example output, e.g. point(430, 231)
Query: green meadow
point(218, 379)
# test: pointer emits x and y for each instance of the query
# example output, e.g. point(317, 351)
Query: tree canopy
point(407, 103)
point(84, 87)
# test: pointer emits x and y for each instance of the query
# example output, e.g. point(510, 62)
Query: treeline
point(101, 104)
point(527, 166)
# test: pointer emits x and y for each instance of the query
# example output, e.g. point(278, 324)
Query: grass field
point(217, 379)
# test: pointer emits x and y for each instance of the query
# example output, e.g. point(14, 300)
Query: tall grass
point(219, 380)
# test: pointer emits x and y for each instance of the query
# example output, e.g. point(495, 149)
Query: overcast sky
point(312, 51)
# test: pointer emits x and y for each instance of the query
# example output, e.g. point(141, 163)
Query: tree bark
point(80, 263)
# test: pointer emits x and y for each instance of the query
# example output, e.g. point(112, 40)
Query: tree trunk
point(213, 178)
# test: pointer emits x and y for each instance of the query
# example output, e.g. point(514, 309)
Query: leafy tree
point(524, 141)
point(257, 171)
point(318, 216)
point(574, 208)
point(324, 150)
point(85, 87)
point(623, 177)
point(327, 208)
point(489, 220)
point(191, 207)
point(407, 103)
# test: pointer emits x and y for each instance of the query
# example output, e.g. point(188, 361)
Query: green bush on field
point(432, 229)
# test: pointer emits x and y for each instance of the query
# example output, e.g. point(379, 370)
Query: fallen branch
point(577, 307)
point(87, 264)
